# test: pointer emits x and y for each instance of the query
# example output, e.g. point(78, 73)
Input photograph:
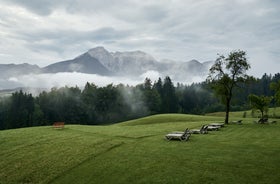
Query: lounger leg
point(168, 138)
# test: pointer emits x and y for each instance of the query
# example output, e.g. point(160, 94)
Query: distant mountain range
point(102, 62)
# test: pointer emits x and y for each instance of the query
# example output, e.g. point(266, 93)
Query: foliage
point(260, 103)
point(275, 86)
point(19, 112)
point(111, 104)
point(226, 74)
point(169, 98)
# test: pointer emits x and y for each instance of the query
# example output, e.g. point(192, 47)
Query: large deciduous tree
point(226, 74)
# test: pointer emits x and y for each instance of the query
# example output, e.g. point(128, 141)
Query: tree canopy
point(275, 86)
point(260, 103)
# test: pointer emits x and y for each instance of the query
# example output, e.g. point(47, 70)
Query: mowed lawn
point(136, 152)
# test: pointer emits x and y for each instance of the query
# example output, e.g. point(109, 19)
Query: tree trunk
point(227, 111)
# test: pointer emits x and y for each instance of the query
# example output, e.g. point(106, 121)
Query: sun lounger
point(202, 130)
point(211, 128)
point(220, 125)
point(182, 136)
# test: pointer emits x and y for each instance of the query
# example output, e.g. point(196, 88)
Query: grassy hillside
point(272, 112)
point(136, 152)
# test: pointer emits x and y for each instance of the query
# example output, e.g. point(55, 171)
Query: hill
point(136, 152)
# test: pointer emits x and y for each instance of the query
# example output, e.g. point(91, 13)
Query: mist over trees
point(95, 105)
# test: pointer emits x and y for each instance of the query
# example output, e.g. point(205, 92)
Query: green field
point(136, 152)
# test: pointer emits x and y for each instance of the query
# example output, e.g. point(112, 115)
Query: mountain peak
point(194, 61)
point(101, 54)
point(97, 49)
point(136, 55)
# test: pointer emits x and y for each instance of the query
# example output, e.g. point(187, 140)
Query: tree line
point(95, 105)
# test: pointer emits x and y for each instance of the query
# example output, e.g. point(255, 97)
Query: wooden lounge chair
point(202, 130)
point(182, 136)
point(220, 125)
point(211, 128)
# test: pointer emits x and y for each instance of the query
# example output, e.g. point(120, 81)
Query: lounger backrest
point(205, 128)
point(186, 134)
point(202, 128)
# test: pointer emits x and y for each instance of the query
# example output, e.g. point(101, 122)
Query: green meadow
point(137, 152)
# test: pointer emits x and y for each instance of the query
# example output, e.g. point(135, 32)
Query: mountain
point(103, 56)
point(133, 63)
point(129, 64)
point(99, 61)
point(123, 63)
point(84, 63)
point(10, 70)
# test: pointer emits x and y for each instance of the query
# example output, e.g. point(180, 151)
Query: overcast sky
point(46, 31)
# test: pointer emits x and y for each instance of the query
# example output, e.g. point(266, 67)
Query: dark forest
point(95, 105)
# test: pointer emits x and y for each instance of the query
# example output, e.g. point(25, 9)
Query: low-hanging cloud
point(71, 79)
point(49, 80)
point(151, 74)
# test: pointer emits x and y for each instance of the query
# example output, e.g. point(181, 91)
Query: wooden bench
point(58, 125)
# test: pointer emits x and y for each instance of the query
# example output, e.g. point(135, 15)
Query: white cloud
point(151, 74)
point(69, 79)
point(13, 79)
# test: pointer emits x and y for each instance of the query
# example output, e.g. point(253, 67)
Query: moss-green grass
point(136, 152)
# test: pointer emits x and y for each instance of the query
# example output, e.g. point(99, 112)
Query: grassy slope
point(271, 112)
point(136, 152)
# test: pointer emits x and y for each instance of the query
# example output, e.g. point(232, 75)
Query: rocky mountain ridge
point(131, 63)
point(101, 62)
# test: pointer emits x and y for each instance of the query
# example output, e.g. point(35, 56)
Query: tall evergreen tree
point(151, 97)
point(89, 98)
point(20, 110)
point(169, 98)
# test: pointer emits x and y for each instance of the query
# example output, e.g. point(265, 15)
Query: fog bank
point(50, 80)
